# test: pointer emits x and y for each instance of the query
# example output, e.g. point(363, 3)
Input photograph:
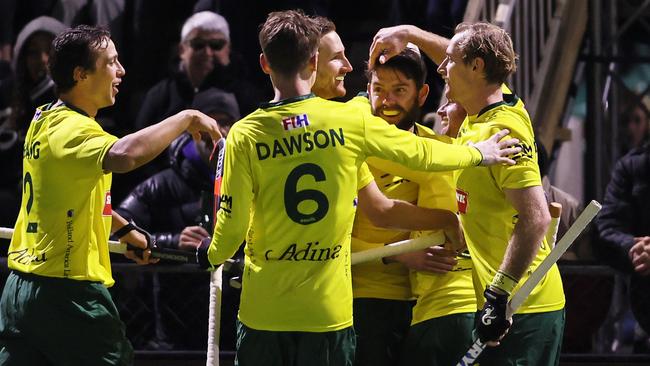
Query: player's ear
point(478, 64)
point(79, 74)
point(313, 61)
point(423, 94)
point(264, 64)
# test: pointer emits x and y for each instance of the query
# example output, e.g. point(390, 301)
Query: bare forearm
point(406, 216)
point(431, 44)
point(117, 221)
point(526, 239)
point(138, 148)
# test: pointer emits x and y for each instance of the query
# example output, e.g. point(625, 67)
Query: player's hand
point(455, 238)
point(202, 123)
point(493, 324)
point(202, 254)
point(640, 255)
point(144, 242)
point(191, 237)
point(495, 151)
point(433, 259)
point(388, 42)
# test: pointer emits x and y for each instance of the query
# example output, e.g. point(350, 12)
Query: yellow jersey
point(289, 189)
point(487, 217)
point(64, 221)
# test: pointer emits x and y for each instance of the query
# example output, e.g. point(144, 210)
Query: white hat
point(208, 21)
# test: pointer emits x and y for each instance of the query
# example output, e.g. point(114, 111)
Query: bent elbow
point(119, 161)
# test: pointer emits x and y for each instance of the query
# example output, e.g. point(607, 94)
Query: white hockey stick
point(216, 277)
point(518, 298)
point(121, 248)
point(214, 321)
point(399, 247)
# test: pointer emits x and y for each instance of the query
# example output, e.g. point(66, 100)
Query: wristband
point(119, 233)
point(504, 282)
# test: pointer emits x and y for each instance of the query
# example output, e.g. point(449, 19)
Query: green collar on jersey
point(287, 101)
point(59, 103)
point(508, 99)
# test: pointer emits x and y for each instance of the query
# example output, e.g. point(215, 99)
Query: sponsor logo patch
point(108, 208)
point(462, 199)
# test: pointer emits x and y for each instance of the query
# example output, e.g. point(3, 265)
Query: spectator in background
point(28, 87)
point(205, 61)
point(32, 86)
point(205, 42)
point(624, 227)
point(636, 123)
point(170, 206)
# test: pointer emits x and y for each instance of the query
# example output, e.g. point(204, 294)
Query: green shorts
point(381, 326)
point(269, 348)
point(533, 340)
point(438, 342)
point(55, 321)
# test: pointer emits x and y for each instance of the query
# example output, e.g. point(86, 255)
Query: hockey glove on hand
point(492, 324)
point(202, 254)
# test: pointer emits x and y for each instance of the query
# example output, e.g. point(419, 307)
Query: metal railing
point(546, 35)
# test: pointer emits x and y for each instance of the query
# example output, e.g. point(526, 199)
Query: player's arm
point(397, 214)
point(389, 42)
point(133, 237)
point(528, 234)
point(389, 142)
point(138, 148)
point(236, 192)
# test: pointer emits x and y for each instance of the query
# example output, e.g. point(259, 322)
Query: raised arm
point(138, 148)
point(389, 42)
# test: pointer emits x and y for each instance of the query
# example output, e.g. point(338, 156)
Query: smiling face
point(332, 67)
point(395, 98)
point(458, 75)
point(102, 83)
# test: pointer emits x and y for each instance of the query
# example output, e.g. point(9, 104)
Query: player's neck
point(76, 98)
point(285, 89)
point(481, 98)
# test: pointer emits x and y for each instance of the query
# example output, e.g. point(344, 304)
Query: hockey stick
point(399, 247)
point(555, 210)
point(518, 298)
point(216, 278)
point(121, 248)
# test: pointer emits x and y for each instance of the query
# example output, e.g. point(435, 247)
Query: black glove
point(202, 254)
point(151, 241)
point(492, 322)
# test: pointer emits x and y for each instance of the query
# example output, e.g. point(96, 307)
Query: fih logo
point(289, 123)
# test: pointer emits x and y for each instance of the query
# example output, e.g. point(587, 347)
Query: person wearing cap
point(169, 206)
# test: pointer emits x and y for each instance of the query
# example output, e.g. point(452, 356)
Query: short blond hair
point(493, 45)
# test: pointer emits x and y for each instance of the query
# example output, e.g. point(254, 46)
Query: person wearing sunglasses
point(204, 54)
point(204, 44)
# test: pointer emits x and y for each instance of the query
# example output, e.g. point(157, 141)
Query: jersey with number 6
point(289, 187)
point(65, 216)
